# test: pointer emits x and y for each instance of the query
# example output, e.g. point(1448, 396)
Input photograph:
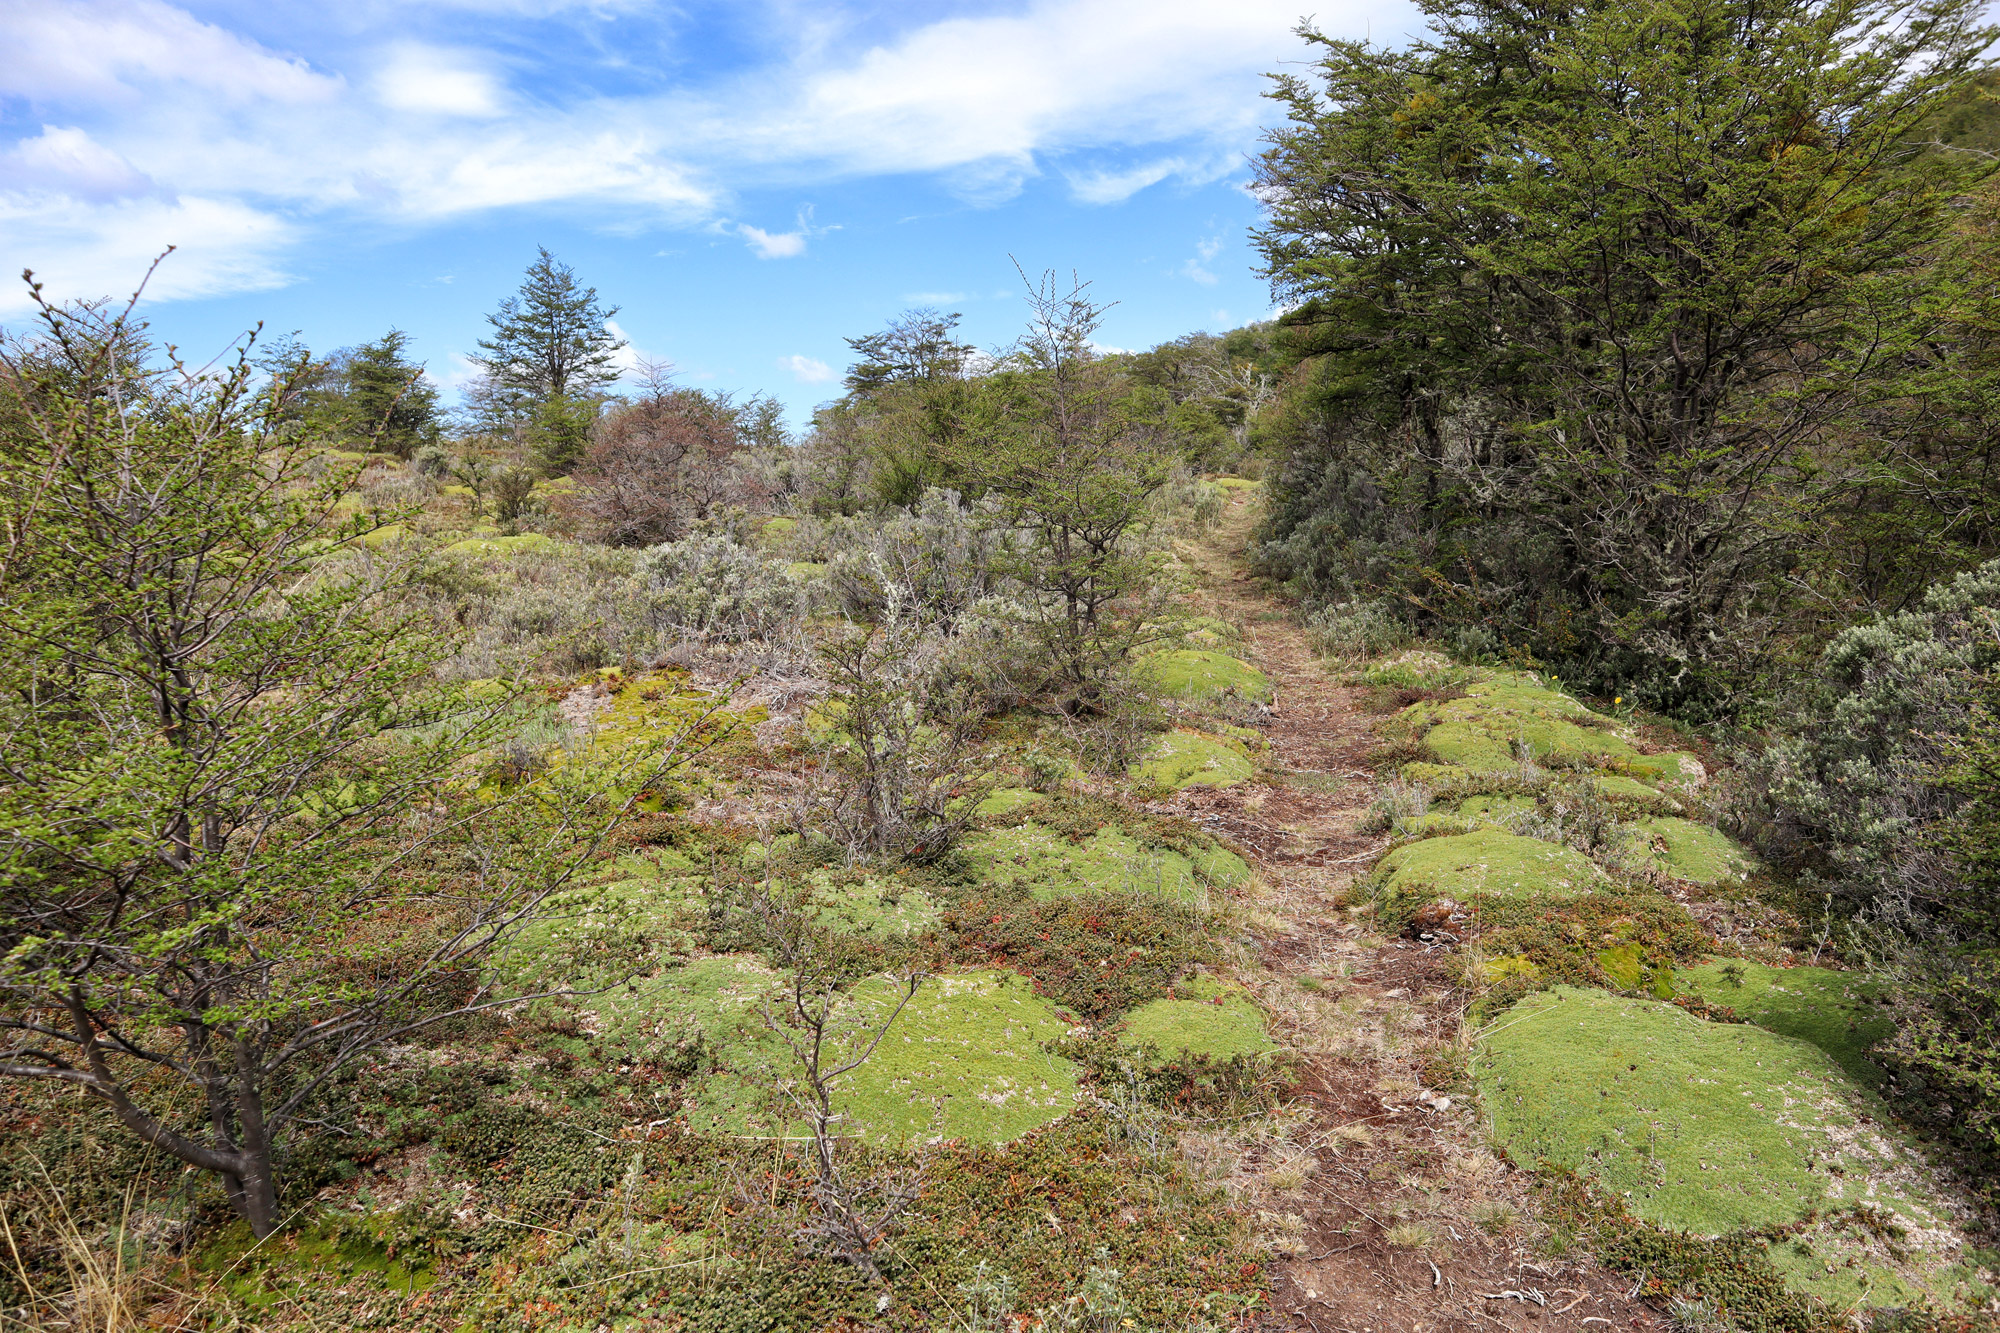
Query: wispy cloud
point(431, 81)
point(148, 115)
point(1204, 252)
point(806, 369)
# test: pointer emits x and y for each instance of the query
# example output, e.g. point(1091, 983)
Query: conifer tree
point(549, 343)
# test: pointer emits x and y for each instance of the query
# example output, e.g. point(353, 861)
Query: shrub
point(897, 751)
point(556, 606)
point(937, 556)
point(1841, 796)
point(1882, 792)
point(660, 467)
point(708, 587)
point(1355, 629)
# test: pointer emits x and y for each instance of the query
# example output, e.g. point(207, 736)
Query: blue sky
point(751, 182)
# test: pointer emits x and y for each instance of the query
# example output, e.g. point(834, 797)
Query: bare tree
point(662, 464)
point(829, 1037)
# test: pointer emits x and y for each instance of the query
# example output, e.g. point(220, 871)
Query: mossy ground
point(1049, 863)
point(1697, 853)
point(1708, 1128)
point(1185, 757)
point(1835, 1011)
point(1202, 676)
point(1483, 863)
point(964, 1059)
point(1207, 1019)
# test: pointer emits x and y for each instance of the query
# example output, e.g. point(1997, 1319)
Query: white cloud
point(76, 52)
point(69, 162)
point(80, 250)
point(1205, 251)
point(1113, 187)
point(783, 245)
point(806, 369)
point(155, 116)
point(427, 80)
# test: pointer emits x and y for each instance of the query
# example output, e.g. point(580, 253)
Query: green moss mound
point(963, 1060)
point(1628, 791)
point(1694, 852)
point(1006, 800)
point(1696, 1126)
point(515, 545)
point(1482, 730)
point(1487, 862)
point(1835, 1011)
point(1209, 1019)
point(1201, 676)
point(1668, 767)
point(1188, 758)
point(1050, 865)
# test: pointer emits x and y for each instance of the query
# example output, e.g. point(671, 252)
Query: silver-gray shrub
point(1844, 791)
point(551, 606)
point(1355, 629)
point(709, 588)
point(937, 555)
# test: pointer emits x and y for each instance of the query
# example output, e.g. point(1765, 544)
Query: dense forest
point(1471, 802)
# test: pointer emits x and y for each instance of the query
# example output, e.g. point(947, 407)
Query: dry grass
point(97, 1290)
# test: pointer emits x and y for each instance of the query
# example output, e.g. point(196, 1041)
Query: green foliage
point(1525, 407)
point(228, 751)
point(1878, 793)
point(1694, 852)
point(549, 346)
point(1628, 941)
point(1072, 461)
point(1733, 1274)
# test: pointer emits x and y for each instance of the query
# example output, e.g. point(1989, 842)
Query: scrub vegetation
point(1471, 803)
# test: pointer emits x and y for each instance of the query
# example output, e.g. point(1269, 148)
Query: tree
point(548, 359)
point(917, 347)
point(227, 756)
point(369, 397)
point(661, 464)
point(388, 404)
point(1073, 457)
point(1590, 291)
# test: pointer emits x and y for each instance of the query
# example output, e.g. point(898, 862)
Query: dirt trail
point(1401, 1218)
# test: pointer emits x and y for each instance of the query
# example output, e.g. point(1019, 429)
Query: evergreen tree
point(918, 346)
point(549, 341)
point(387, 403)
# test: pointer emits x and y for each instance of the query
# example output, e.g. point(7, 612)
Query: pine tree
point(549, 341)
